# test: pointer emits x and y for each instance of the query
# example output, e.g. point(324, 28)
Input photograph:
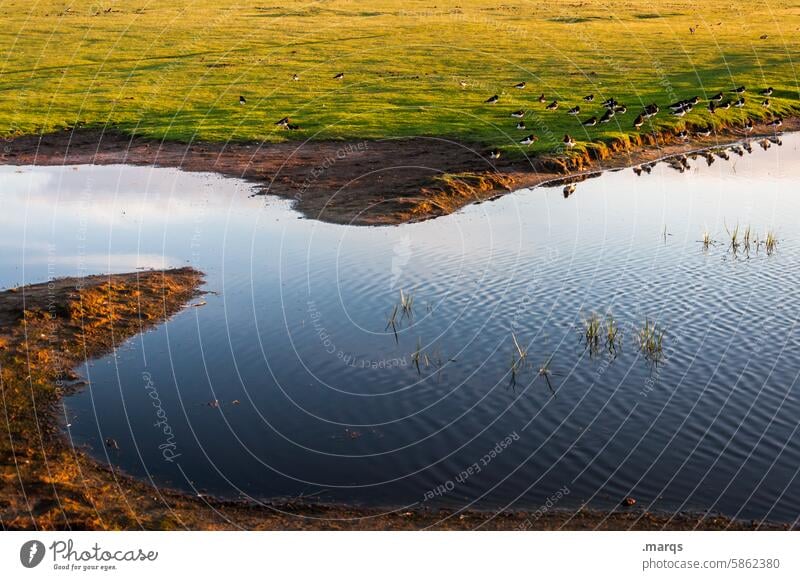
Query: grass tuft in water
point(651, 341)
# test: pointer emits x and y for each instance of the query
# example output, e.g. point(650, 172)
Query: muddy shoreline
point(48, 329)
point(370, 182)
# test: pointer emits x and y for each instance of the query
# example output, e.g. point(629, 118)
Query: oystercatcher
point(590, 122)
point(542, 99)
point(552, 106)
point(589, 98)
point(518, 114)
point(242, 100)
point(739, 90)
point(717, 97)
point(638, 121)
point(492, 100)
point(521, 126)
point(339, 76)
point(767, 92)
point(607, 116)
point(283, 122)
point(739, 103)
point(569, 141)
point(574, 110)
point(521, 85)
point(529, 140)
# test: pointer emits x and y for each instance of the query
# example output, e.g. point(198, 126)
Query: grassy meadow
point(175, 70)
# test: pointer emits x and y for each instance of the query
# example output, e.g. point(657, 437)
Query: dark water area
point(286, 381)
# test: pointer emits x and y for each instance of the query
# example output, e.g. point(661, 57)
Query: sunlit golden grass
point(175, 70)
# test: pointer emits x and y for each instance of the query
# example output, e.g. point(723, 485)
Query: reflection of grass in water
point(185, 85)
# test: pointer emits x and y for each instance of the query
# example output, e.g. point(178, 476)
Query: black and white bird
point(609, 103)
point(518, 114)
point(552, 106)
point(494, 154)
point(706, 132)
point(621, 109)
point(712, 107)
point(569, 189)
point(716, 98)
point(295, 77)
point(242, 100)
point(292, 127)
point(775, 122)
point(569, 141)
point(283, 122)
point(765, 103)
point(651, 110)
point(682, 134)
point(574, 110)
point(542, 99)
point(739, 103)
point(589, 98)
point(529, 140)
point(724, 106)
point(492, 100)
point(521, 126)
point(339, 76)
point(739, 90)
point(462, 84)
point(607, 116)
point(638, 121)
point(590, 122)
point(521, 85)
point(767, 92)
point(749, 126)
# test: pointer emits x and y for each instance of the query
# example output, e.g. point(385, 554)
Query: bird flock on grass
point(610, 109)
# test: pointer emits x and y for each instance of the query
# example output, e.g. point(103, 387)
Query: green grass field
point(175, 69)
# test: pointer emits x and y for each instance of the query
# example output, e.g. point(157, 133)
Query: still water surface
point(287, 382)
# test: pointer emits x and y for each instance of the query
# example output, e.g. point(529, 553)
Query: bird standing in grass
point(574, 111)
point(569, 141)
point(521, 126)
point(738, 103)
point(521, 85)
point(518, 114)
point(765, 103)
point(589, 98)
point(739, 90)
point(607, 116)
point(492, 100)
point(638, 121)
point(767, 92)
point(590, 122)
point(295, 77)
point(283, 123)
point(242, 100)
point(552, 106)
point(529, 140)
point(339, 76)
point(716, 98)
point(542, 99)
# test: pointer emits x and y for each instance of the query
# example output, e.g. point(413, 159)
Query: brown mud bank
point(48, 329)
point(374, 182)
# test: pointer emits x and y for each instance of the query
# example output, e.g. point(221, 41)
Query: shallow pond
point(287, 381)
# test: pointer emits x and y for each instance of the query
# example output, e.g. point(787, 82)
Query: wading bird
point(492, 100)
